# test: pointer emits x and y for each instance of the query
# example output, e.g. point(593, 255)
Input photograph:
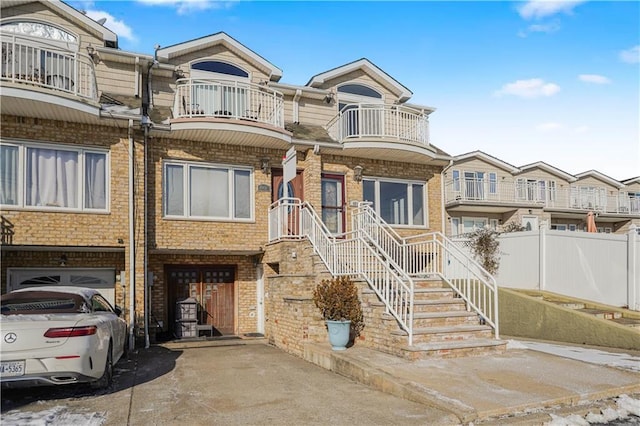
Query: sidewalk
point(484, 388)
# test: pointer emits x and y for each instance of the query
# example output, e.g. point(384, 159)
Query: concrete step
point(600, 313)
point(629, 322)
point(570, 305)
point(446, 334)
point(429, 283)
point(432, 293)
point(454, 349)
point(423, 306)
point(444, 319)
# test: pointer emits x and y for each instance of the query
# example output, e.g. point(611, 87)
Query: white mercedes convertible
point(57, 335)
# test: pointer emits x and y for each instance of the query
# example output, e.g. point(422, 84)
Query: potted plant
point(340, 307)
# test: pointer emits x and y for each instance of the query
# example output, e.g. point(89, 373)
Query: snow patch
point(626, 407)
point(56, 416)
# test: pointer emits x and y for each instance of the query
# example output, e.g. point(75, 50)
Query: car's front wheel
point(107, 375)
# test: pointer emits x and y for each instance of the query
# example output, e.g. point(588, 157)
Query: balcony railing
point(357, 121)
point(29, 61)
point(483, 191)
point(228, 99)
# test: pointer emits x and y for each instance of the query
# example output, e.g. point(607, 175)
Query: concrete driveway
point(232, 383)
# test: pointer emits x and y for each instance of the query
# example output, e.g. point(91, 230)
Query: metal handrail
point(389, 121)
point(347, 254)
point(434, 253)
point(25, 60)
point(197, 97)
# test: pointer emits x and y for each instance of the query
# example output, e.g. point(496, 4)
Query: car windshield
point(35, 302)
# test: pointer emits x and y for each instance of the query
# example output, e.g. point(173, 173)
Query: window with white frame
point(208, 191)
point(455, 226)
point(493, 183)
point(398, 202)
point(470, 224)
point(456, 180)
point(53, 177)
point(536, 189)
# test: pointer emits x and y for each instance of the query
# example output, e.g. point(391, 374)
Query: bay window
point(53, 177)
point(397, 202)
point(207, 191)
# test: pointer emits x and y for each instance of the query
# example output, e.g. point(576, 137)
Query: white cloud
point(187, 6)
point(538, 9)
point(118, 27)
point(532, 88)
point(594, 78)
point(549, 127)
point(631, 55)
point(548, 28)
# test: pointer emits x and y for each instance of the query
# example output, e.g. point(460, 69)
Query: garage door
point(102, 279)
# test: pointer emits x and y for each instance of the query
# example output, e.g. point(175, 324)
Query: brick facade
point(38, 237)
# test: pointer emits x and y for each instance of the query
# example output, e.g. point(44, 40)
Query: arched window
point(359, 90)
point(39, 29)
point(220, 68)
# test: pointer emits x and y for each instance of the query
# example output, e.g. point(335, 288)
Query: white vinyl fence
point(604, 268)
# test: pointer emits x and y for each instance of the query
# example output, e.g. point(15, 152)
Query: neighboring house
point(481, 190)
point(126, 171)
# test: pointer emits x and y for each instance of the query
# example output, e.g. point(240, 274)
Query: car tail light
point(71, 331)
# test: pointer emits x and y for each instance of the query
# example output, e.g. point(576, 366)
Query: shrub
point(484, 246)
point(338, 300)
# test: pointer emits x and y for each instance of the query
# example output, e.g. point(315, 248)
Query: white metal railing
point(573, 198)
point(350, 254)
point(387, 262)
point(26, 60)
point(434, 253)
point(228, 99)
point(381, 121)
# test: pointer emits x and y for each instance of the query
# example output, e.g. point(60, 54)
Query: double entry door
point(213, 289)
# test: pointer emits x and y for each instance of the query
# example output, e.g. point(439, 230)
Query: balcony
point(382, 131)
point(241, 113)
point(500, 196)
point(393, 122)
point(29, 61)
point(229, 100)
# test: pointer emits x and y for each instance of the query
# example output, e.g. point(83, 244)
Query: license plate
point(11, 368)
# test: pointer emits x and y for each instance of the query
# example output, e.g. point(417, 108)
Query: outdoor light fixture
point(63, 260)
point(357, 173)
point(93, 54)
point(264, 165)
point(329, 98)
point(178, 73)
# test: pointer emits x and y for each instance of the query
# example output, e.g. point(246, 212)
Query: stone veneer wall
point(292, 318)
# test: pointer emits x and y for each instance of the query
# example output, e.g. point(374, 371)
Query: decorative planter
point(339, 334)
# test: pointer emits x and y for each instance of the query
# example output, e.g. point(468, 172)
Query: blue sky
point(553, 81)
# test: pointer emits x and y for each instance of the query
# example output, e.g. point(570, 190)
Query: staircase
point(421, 297)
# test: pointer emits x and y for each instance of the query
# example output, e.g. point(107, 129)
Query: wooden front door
point(213, 289)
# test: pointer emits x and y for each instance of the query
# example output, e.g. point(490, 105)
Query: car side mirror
point(117, 310)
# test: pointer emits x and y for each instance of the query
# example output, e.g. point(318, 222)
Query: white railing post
point(542, 255)
point(633, 270)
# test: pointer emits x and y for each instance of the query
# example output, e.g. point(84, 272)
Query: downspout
point(442, 198)
point(146, 254)
point(146, 123)
point(296, 106)
point(132, 245)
